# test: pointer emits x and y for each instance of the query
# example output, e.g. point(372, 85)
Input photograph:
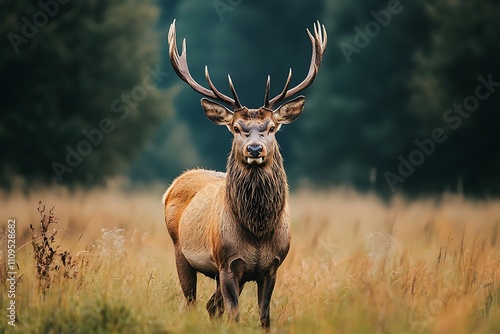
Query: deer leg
point(187, 276)
point(230, 279)
point(230, 291)
point(265, 289)
point(215, 305)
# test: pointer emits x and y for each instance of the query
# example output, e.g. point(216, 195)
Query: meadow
point(357, 265)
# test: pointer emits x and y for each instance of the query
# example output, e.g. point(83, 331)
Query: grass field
point(357, 265)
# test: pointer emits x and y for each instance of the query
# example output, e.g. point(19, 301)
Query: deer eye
point(271, 129)
point(236, 130)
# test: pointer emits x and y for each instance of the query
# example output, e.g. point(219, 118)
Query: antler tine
point(324, 37)
point(268, 88)
point(218, 94)
point(235, 95)
point(318, 43)
point(180, 65)
point(281, 96)
point(267, 103)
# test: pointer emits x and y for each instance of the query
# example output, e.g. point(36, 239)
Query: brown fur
point(257, 196)
point(236, 228)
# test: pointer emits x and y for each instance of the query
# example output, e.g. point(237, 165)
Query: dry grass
point(356, 265)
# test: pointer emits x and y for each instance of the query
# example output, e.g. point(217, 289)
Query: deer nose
point(254, 150)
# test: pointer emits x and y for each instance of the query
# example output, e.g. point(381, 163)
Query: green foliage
point(171, 152)
point(71, 73)
point(356, 120)
point(365, 110)
point(96, 316)
point(463, 45)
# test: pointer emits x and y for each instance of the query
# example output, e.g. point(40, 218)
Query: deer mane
point(256, 197)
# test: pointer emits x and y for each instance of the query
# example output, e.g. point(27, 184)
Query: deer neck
point(256, 196)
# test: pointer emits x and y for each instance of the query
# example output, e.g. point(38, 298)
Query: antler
point(179, 62)
point(318, 42)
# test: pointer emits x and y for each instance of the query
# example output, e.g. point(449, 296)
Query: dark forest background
point(407, 98)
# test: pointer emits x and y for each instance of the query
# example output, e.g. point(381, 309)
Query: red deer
point(235, 227)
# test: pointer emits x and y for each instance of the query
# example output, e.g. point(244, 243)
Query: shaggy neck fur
point(257, 195)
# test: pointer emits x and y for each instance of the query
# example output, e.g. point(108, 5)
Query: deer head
point(254, 142)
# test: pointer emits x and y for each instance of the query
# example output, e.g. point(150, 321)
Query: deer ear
point(216, 112)
point(289, 111)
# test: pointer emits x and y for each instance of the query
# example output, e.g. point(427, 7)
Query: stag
point(234, 227)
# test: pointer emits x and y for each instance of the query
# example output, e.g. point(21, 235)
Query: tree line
point(406, 98)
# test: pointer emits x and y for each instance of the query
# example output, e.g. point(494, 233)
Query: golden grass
point(357, 265)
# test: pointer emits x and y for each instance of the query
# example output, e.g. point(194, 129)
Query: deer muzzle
point(255, 154)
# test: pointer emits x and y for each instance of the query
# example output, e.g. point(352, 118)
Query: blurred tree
point(357, 121)
point(461, 55)
point(80, 93)
point(390, 72)
point(171, 152)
